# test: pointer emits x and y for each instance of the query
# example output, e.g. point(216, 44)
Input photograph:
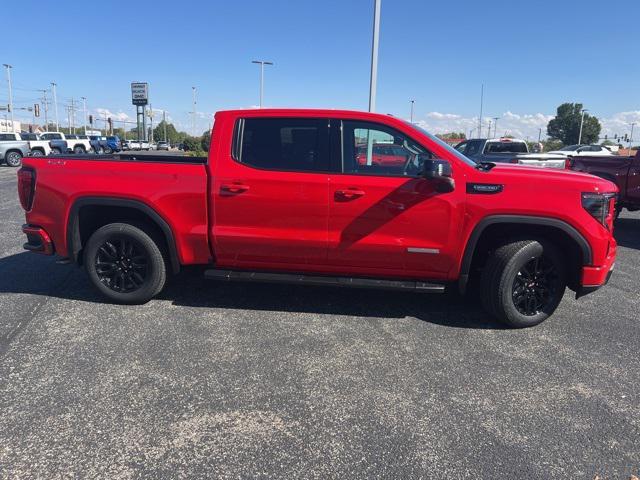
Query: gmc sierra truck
point(624, 171)
point(509, 150)
point(61, 143)
point(295, 196)
point(12, 149)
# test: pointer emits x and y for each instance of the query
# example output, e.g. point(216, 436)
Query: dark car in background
point(500, 150)
point(105, 144)
point(622, 170)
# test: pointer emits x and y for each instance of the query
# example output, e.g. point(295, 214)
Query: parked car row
point(14, 146)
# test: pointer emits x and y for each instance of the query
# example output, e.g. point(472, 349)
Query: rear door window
point(506, 147)
point(285, 144)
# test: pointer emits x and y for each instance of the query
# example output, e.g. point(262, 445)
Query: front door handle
point(350, 193)
point(234, 187)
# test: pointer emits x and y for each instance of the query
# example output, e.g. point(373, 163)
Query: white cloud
point(105, 112)
point(522, 125)
point(518, 125)
point(620, 123)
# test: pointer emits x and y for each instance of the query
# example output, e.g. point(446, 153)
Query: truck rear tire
point(13, 158)
point(523, 282)
point(125, 263)
point(78, 150)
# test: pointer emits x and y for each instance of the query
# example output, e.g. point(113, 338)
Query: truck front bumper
point(38, 240)
point(595, 277)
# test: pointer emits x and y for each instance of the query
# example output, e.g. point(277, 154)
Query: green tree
point(173, 135)
point(206, 141)
point(192, 144)
point(566, 125)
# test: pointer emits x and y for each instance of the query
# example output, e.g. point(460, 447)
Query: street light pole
point(481, 105)
point(374, 55)
point(631, 137)
point(412, 102)
point(55, 105)
point(581, 123)
point(495, 126)
point(9, 67)
point(262, 63)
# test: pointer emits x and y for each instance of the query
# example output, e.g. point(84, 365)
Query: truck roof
point(316, 112)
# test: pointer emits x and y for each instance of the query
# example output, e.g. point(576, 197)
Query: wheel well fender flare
point(470, 248)
point(74, 242)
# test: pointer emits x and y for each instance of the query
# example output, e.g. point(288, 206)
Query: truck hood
point(585, 182)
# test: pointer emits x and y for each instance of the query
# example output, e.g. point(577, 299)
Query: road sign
point(139, 93)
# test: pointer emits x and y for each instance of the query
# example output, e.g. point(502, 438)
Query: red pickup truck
point(624, 171)
point(285, 195)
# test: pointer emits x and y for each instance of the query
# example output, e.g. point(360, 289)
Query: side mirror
point(440, 173)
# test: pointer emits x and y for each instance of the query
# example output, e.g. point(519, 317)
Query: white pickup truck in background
point(72, 143)
point(37, 147)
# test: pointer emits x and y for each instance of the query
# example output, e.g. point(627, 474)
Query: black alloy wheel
point(125, 262)
point(535, 286)
point(122, 264)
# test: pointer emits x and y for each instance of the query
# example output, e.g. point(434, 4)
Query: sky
point(531, 56)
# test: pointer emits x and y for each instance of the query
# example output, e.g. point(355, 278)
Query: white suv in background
point(577, 150)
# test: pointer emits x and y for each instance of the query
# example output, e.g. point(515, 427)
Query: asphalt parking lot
point(249, 380)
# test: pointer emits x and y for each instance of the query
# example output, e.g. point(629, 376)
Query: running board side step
point(357, 282)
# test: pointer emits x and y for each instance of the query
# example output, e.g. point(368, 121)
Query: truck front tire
point(125, 263)
point(523, 282)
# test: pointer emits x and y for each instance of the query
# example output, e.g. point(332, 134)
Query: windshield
point(570, 148)
point(444, 145)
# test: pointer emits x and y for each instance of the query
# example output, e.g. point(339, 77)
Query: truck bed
point(133, 157)
point(173, 186)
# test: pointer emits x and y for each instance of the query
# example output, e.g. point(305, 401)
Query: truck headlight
point(600, 206)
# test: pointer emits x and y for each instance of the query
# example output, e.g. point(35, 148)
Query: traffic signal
point(90, 119)
point(8, 107)
point(110, 123)
point(36, 109)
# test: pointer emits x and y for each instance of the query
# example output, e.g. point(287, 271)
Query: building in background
point(6, 126)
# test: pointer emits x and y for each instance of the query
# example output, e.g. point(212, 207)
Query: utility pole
point(164, 123)
point(84, 112)
point(55, 104)
point(193, 111)
point(45, 104)
point(9, 67)
point(481, 105)
point(69, 119)
point(412, 102)
point(631, 137)
point(373, 83)
point(581, 123)
point(73, 115)
point(495, 126)
point(539, 134)
point(262, 63)
point(489, 130)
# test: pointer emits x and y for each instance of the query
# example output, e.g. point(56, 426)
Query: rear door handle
point(350, 193)
point(234, 187)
